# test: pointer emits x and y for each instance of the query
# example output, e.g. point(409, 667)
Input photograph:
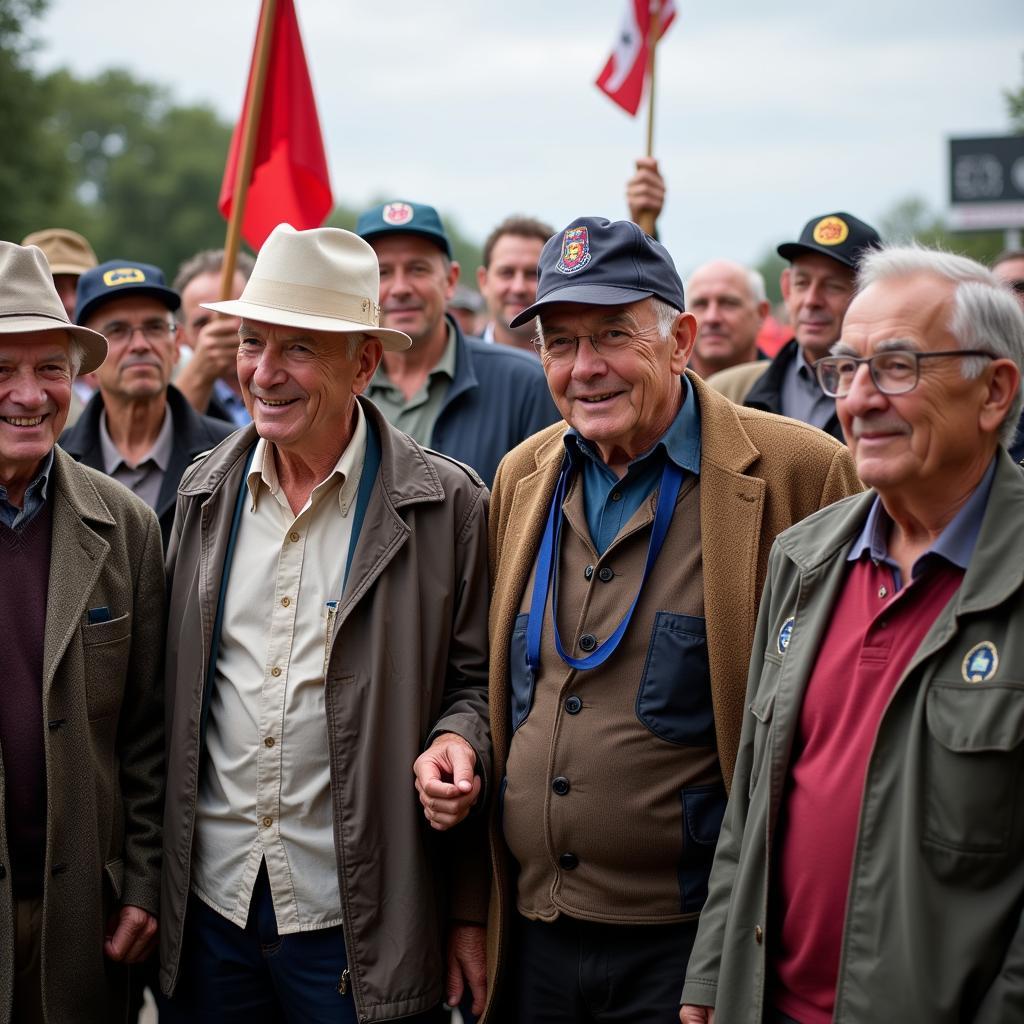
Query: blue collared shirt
point(610, 501)
point(35, 497)
point(955, 544)
point(233, 405)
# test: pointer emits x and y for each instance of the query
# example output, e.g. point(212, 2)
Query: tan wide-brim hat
point(29, 302)
point(66, 251)
point(325, 279)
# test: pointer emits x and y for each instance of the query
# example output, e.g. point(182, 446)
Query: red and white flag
point(622, 79)
point(289, 179)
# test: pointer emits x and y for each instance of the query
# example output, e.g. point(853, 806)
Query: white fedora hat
point(325, 279)
point(29, 302)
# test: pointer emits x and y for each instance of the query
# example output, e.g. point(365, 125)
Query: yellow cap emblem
point(831, 231)
point(123, 275)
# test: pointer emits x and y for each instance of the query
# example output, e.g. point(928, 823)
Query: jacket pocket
point(521, 677)
point(674, 700)
point(762, 707)
point(106, 646)
point(973, 765)
point(114, 872)
point(703, 810)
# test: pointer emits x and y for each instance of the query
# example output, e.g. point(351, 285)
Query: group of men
point(383, 739)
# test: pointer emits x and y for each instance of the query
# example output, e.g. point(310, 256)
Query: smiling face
point(728, 316)
point(817, 290)
point(509, 283)
point(299, 386)
point(622, 401)
point(936, 440)
point(35, 394)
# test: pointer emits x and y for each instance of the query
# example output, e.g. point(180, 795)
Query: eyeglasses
point(562, 348)
point(153, 331)
point(893, 373)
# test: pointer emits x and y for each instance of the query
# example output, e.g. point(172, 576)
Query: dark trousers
point(253, 975)
point(578, 972)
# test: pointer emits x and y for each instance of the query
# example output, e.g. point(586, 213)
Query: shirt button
point(606, 575)
point(293, 537)
point(268, 821)
point(758, 934)
point(616, 496)
point(568, 861)
point(573, 705)
point(560, 785)
point(269, 741)
point(275, 671)
point(588, 572)
point(285, 601)
point(588, 642)
point(883, 592)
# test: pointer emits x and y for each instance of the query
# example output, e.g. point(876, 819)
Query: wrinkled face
point(929, 439)
point(299, 386)
point(621, 400)
point(415, 284)
point(817, 289)
point(728, 316)
point(139, 366)
point(1011, 273)
point(509, 284)
point(205, 288)
point(35, 394)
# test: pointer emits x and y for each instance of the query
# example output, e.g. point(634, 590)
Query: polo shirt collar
point(445, 365)
point(160, 453)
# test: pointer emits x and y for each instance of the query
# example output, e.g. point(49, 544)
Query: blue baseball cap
point(407, 218)
point(117, 278)
point(599, 262)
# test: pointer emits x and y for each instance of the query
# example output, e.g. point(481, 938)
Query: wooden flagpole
point(247, 149)
point(646, 219)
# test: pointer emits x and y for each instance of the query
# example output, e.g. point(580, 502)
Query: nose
point(27, 392)
point(589, 363)
point(269, 370)
point(520, 283)
point(815, 294)
point(863, 395)
point(138, 342)
point(397, 283)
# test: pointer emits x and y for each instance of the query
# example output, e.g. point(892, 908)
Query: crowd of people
point(588, 655)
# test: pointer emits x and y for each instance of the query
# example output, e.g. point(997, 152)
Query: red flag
point(289, 179)
point(623, 76)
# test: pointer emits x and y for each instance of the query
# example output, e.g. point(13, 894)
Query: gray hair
point(986, 316)
point(209, 261)
point(76, 354)
point(754, 279)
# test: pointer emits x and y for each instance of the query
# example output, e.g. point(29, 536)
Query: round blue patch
point(784, 634)
point(980, 662)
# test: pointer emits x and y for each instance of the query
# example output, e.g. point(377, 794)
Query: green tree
point(912, 220)
point(1015, 106)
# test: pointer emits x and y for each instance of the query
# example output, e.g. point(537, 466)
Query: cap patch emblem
point(831, 231)
point(575, 251)
point(397, 213)
point(980, 662)
point(123, 275)
point(784, 634)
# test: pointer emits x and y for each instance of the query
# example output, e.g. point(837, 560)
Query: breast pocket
point(674, 700)
point(521, 678)
point(762, 707)
point(107, 647)
point(973, 763)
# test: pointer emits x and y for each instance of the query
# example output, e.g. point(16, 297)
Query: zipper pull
point(343, 982)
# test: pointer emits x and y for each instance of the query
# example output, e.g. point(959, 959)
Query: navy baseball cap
point(117, 278)
point(837, 235)
point(408, 218)
point(600, 262)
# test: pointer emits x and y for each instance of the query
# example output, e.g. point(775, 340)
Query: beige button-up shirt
point(265, 793)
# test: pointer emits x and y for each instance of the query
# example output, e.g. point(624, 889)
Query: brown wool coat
point(102, 702)
point(760, 473)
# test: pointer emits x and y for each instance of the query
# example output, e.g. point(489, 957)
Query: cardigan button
point(573, 705)
point(606, 575)
point(560, 785)
point(568, 861)
point(588, 572)
point(588, 642)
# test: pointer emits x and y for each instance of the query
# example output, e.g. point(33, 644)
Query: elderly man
point(817, 287)
point(458, 395)
point(629, 551)
point(138, 428)
point(508, 278)
point(209, 377)
point(730, 305)
point(80, 717)
point(327, 623)
point(871, 865)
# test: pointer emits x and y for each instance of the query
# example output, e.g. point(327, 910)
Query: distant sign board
point(986, 182)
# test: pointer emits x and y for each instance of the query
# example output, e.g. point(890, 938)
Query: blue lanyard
point(546, 577)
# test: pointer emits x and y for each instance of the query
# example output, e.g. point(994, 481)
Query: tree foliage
point(1015, 106)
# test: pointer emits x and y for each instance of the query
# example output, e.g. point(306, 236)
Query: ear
point(763, 309)
point(684, 333)
point(368, 357)
point(1003, 384)
point(784, 284)
point(481, 278)
point(452, 280)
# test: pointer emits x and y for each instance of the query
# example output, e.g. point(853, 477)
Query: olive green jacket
point(934, 930)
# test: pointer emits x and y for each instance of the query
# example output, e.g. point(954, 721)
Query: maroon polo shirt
point(873, 634)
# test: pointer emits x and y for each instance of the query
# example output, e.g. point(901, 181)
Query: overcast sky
point(768, 113)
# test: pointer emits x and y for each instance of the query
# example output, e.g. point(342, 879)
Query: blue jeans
point(253, 975)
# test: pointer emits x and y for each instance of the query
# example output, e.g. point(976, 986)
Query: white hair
point(666, 315)
point(753, 278)
point(985, 317)
point(76, 354)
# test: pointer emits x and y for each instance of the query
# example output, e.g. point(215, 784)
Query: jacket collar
point(76, 488)
point(465, 378)
point(405, 472)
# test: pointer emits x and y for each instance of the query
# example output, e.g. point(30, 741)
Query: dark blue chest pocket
point(674, 700)
point(521, 677)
